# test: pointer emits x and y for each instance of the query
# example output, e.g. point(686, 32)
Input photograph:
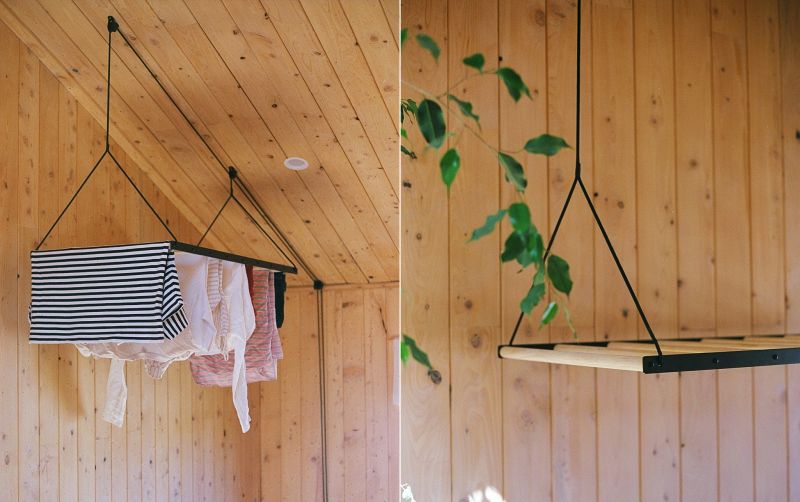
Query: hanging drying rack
point(233, 177)
point(177, 245)
point(645, 356)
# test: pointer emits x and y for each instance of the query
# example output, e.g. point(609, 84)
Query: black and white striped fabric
point(126, 293)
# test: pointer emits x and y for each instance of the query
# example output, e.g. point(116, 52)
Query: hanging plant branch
point(525, 244)
point(410, 349)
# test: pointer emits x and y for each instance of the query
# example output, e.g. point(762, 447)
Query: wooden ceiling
point(262, 80)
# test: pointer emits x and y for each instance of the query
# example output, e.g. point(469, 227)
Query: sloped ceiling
point(262, 81)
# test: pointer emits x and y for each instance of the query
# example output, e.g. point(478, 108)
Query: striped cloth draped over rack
point(127, 293)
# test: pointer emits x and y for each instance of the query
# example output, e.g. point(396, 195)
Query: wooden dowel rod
point(742, 344)
point(613, 362)
point(594, 349)
point(784, 341)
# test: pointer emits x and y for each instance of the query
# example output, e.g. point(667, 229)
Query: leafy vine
point(525, 244)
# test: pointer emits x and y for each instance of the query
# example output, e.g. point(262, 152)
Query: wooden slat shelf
point(677, 355)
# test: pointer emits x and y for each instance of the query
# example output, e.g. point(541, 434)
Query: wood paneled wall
point(180, 441)
point(362, 411)
point(690, 149)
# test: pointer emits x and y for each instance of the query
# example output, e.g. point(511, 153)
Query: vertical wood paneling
point(572, 390)
point(766, 216)
point(353, 398)
point(615, 186)
point(173, 379)
point(68, 171)
point(476, 410)
point(376, 392)
point(393, 366)
point(789, 13)
point(425, 424)
point(48, 354)
point(334, 387)
point(695, 203)
point(28, 357)
point(732, 229)
point(525, 388)
point(9, 89)
point(657, 240)
point(311, 438)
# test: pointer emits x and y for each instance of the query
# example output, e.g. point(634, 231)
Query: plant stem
point(464, 79)
point(457, 114)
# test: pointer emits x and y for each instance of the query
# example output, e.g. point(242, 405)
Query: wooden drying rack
point(653, 355)
point(688, 354)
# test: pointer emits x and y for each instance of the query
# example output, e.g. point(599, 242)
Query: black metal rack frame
point(235, 179)
point(698, 361)
point(176, 244)
point(660, 362)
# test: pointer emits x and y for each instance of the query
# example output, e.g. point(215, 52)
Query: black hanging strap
point(236, 179)
point(232, 176)
point(578, 181)
point(112, 27)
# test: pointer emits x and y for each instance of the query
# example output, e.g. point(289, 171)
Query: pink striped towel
point(263, 348)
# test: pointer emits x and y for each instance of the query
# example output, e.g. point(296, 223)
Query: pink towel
point(263, 348)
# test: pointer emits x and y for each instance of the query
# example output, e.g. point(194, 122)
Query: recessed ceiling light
point(295, 163)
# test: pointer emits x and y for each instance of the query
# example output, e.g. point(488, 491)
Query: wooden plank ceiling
point(262, 80)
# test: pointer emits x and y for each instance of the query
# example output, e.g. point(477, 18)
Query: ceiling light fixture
point(295, 163)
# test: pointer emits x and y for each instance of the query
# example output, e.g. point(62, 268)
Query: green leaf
point(449, 164)
point(475, 61)
point(403, 132)
point(515, 245)
point(558, 271)
point(516, 87)
point(418, 354)
point(534, 247)
point(429, 45)
point(466, 108)
point(545, 145)
point(519, 215)
point(539, 277)
point(514, 172)
point(405, 352)
point(403, 36)
point(431, 122)
point(549, 313)
point(532, 299)
point(488, 226)
point(408, 152)
point(408, 107)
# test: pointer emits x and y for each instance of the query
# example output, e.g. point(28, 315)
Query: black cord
point(112, 27)
point(91, 171)
point(318, 284)
point(549, 247)
point(214, 220)
point(236, 180)
point(322, 392)
point(620, 268)
point(152, 209)
point(287, 245)
point(577, 180)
